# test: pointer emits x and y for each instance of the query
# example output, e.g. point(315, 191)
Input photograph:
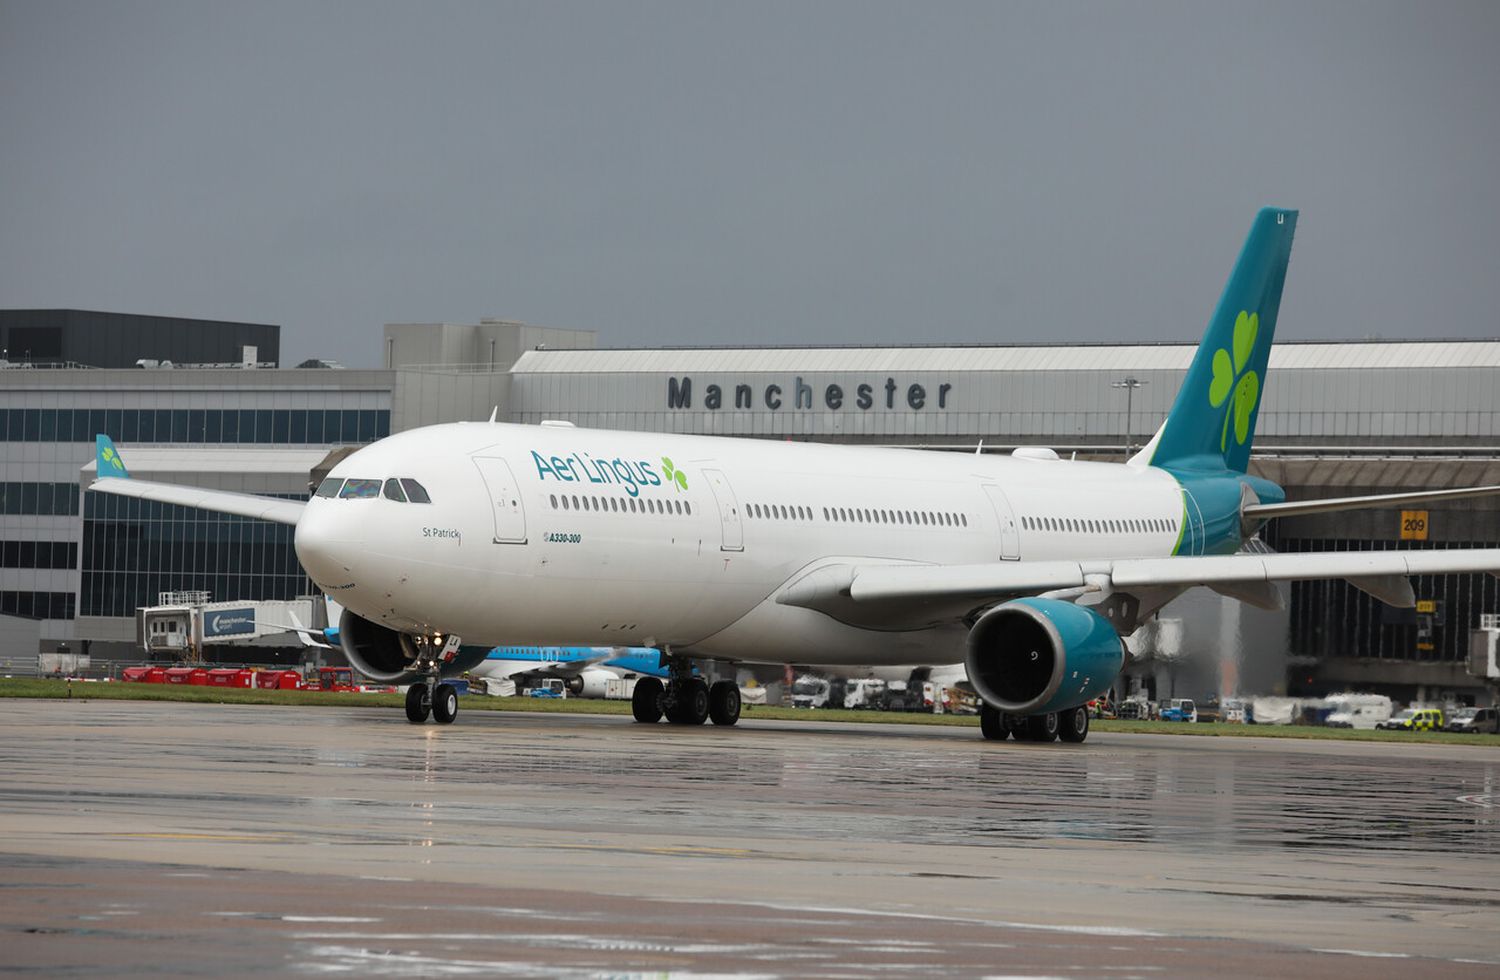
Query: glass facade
point(45, 499)
point(134, 549)
point(1331, 618)
point(37, 605)
point(38, 554)
point(210, 425)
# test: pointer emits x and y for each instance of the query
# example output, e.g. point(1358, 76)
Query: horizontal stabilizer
point(1292, 508)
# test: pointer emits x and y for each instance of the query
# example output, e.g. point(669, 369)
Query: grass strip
point(26, 687)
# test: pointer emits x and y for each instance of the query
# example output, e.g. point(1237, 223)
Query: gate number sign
point(1414, 525)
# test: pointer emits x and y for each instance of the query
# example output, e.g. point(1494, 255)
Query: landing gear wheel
point(724, 703)
point(1042, 728)
point(418, 703)
point(445, 704)
point(992, 723)
point(1073, 724)
point(645, 703)
point(691, 704)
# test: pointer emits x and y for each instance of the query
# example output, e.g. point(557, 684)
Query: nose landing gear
point(429, 695)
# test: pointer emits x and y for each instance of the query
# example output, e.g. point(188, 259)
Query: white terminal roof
point(1140, 357)
point(160, 460)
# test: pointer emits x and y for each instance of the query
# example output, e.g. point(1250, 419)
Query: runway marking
point(679, 851)
point(219, 838)
point(1486, 800)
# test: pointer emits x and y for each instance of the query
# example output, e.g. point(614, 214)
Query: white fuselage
point(564, 536)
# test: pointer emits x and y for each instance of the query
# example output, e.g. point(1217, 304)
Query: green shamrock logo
point(1228, 376)
point(673, 474)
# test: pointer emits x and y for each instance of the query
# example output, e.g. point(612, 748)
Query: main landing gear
point(685, 699)
point(1071, 725)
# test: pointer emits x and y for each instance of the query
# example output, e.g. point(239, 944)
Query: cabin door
point(1010, 536)
point(729, 511)
point(505, 499)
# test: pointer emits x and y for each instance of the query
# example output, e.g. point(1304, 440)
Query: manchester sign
point(801, 396)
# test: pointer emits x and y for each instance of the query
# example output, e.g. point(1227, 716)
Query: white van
point(1357, 710)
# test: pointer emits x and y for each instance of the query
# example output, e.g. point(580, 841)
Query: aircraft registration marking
point(562, 537)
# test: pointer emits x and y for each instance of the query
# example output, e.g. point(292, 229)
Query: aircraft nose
point(325, 548)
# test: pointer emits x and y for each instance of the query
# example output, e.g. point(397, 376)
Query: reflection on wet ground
point(643, 848)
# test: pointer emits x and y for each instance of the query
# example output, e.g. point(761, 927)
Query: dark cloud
point(767, 173)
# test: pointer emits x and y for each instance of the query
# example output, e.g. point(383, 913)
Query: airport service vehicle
point(1357, 710)
point(864, 692)
point(336, 679)
point(1414, 720)
point(1179, 709)
point(1474, 720)
point(809, 691)
point(443, 541)
point(908, 696)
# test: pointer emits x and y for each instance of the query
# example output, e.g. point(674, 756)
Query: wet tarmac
point(145, 838)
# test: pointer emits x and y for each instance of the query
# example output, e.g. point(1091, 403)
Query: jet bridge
point(183, 624)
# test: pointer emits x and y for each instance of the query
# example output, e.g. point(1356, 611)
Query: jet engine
point(390, 657)
point(1032, 656)
point(590, 683)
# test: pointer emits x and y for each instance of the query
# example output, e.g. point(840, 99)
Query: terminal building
point(1336, 420)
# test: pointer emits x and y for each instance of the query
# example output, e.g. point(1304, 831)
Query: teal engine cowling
point(1031, 656)
point(389, 657)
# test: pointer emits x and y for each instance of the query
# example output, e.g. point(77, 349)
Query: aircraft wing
point(223, 501)
point(910, 596)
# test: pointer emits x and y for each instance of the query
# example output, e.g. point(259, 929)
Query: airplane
point(585, 671)
point(443, 541)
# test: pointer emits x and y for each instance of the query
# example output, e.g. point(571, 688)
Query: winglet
point(109, 462)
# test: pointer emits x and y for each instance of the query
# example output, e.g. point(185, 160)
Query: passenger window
point(330, 487)
point(392, 491)
point(554, 501)
point(964, 518)
point(415, 492)
point(360, 490)
point(688, 507)
point(565, 503)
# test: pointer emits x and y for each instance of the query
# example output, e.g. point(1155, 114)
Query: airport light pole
point(1130, 384)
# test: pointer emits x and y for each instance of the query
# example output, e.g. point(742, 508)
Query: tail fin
point(108, 458)
point(1212, 422)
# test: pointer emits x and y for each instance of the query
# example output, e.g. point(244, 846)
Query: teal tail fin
point(108, 459)
point(1212, 422)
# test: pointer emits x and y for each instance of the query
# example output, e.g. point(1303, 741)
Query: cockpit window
point(360, 490)
point(392, 491)
point(415, 492)
point(330, 487)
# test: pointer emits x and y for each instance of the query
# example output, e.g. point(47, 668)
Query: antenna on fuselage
point(494, 412)
point(979, 449)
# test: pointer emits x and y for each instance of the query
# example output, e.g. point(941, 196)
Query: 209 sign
point(1414, 525)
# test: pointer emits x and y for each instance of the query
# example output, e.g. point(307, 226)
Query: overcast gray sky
point(711, 173)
